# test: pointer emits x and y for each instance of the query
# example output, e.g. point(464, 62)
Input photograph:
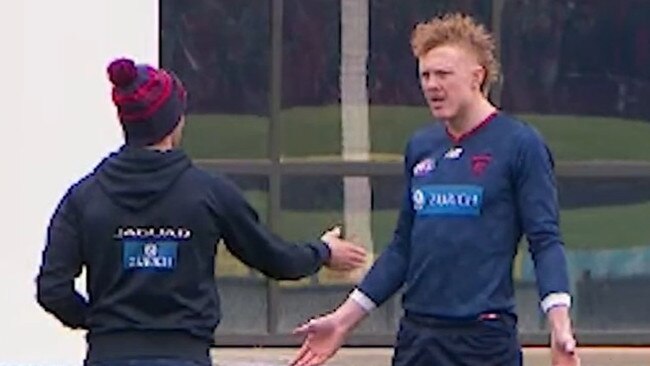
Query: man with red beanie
point(145, 224)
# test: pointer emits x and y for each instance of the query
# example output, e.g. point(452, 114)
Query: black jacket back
point(145, 224)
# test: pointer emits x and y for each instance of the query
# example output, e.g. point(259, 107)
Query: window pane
point(309, 205)
point(604, 222)
point(310, 114)
point(221, 51)
point(578, 71)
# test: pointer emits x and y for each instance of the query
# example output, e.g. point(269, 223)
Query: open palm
point(323, 339)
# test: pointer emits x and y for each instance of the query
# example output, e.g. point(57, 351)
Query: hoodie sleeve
point(61, 263)
point(257, 247)
point(537, 203)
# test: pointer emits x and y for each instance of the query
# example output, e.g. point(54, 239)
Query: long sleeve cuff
point(324, 251)
point(363, 300)
point(555, 299)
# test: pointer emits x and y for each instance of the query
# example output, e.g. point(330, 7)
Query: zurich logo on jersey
point(458, 200)
point(139, 254)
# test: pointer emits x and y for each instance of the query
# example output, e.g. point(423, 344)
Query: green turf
point(315, 131)
point(594, 138)
point(225, 136)
point(607, 227)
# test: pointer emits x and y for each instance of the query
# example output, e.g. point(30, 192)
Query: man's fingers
point(359, 250)
point(357, 253)
point(304, 329)
point(301, 354)
point(566, 344)
point(307, 358)
point(355, 258)
point(569, 346)
point(319, 360)
point(333, 233)
point(358, 262)
point(564, 352)
point(361, 255)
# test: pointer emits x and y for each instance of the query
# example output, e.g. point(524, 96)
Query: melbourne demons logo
point(480, 162)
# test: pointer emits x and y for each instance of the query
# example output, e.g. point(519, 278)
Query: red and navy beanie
point(149, 101)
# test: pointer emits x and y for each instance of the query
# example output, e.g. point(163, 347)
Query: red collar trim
point(457, 139)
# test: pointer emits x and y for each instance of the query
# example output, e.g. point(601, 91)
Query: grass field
point(316, 132)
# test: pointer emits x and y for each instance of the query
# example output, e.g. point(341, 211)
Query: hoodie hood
point(135, 178)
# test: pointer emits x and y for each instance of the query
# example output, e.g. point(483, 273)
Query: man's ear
point(479, 75)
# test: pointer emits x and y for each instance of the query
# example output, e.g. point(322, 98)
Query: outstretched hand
point(346, 255)
point(323, 338)
point(325, 335)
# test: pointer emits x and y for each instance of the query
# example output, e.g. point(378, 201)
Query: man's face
point(450, 77)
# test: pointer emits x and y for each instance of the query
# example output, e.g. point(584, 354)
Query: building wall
point(57, 122)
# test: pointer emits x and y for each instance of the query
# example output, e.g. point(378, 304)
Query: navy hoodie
point(145, 225)
point(467, 205)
